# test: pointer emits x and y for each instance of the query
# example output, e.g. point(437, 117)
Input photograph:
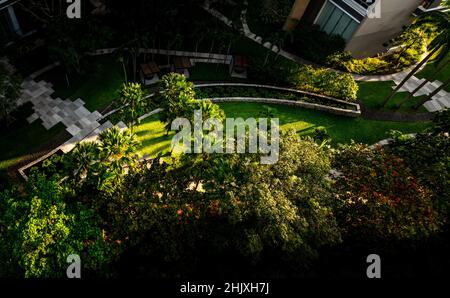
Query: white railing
point(358, 6)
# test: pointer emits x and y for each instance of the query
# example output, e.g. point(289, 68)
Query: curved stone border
point(306, 105)
point(356, 105)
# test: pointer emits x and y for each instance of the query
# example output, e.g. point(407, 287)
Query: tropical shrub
point(408, 49)
point(428, 157)
point(320, 80)
point(275, 11)
point(132, 98)
point(379, 199)
point(230, 203)
point(178, 101)
point(40, 230)
point(307, 78)
point(345, 62)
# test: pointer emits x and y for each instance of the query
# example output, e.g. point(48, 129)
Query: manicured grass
point(22, 139)
point(97, 86)
point(152, 135)
point(372, 94)
point(342, 129)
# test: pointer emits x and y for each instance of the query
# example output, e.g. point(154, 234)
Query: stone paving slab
point(73, 114)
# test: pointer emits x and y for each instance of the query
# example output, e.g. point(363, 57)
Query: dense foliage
point(178, 101)
point(41, 229)
point(10, 92)
point(308, 78)
point(379, 198)
point(407, 49)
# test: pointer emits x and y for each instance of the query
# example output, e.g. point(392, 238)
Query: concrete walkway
point(80, 123)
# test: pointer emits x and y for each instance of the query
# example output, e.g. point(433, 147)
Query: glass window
point(335, 21)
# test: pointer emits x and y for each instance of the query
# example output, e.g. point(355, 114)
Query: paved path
point(79, 121)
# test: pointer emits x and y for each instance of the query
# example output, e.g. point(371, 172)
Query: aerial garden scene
point(195, 143)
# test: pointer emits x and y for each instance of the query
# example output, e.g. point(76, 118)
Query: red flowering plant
point(378, 198)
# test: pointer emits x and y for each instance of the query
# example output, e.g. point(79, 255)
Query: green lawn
point(97, 86)
point(22, 139)
point(342, 129)
point(372, 94)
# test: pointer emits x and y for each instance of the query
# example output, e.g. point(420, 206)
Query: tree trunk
point(430, 97)
point(413, 72)
point(124, 70)
point(433, 76)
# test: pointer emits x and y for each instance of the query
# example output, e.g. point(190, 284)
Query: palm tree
point(117, 149)
point(132, 96)
point(435, 46)
point(210, 110)
point(82, 157)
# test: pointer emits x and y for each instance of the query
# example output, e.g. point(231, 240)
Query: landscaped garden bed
point(273, 93)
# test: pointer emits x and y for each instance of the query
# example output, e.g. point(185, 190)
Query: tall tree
point(132, 98)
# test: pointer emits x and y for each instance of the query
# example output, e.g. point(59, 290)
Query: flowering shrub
point(378, 197)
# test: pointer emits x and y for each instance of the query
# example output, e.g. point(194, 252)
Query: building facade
point(365, 24)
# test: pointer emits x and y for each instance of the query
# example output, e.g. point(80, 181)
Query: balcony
point(357, 9)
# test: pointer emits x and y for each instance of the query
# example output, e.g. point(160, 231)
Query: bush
point(428, 157)
point(306, 78)
point(379, 198)
point(346, 62)
point(320, 80)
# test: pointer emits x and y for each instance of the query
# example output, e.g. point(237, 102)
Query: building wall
point(373, 32)
point(312, 10)
point(297, 11)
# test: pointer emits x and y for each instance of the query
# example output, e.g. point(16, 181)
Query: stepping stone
point(444, 102)
point(73, 129)
point(82, 112)
point(47, 125)
point(79, 102)
point(121, 125)
point(94, 116)
point(33, 118)
point(437, 84)
point(432, 107)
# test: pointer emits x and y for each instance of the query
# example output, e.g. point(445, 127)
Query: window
point(334, 20)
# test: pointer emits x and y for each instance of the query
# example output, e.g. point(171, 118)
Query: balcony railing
point(364, 3)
